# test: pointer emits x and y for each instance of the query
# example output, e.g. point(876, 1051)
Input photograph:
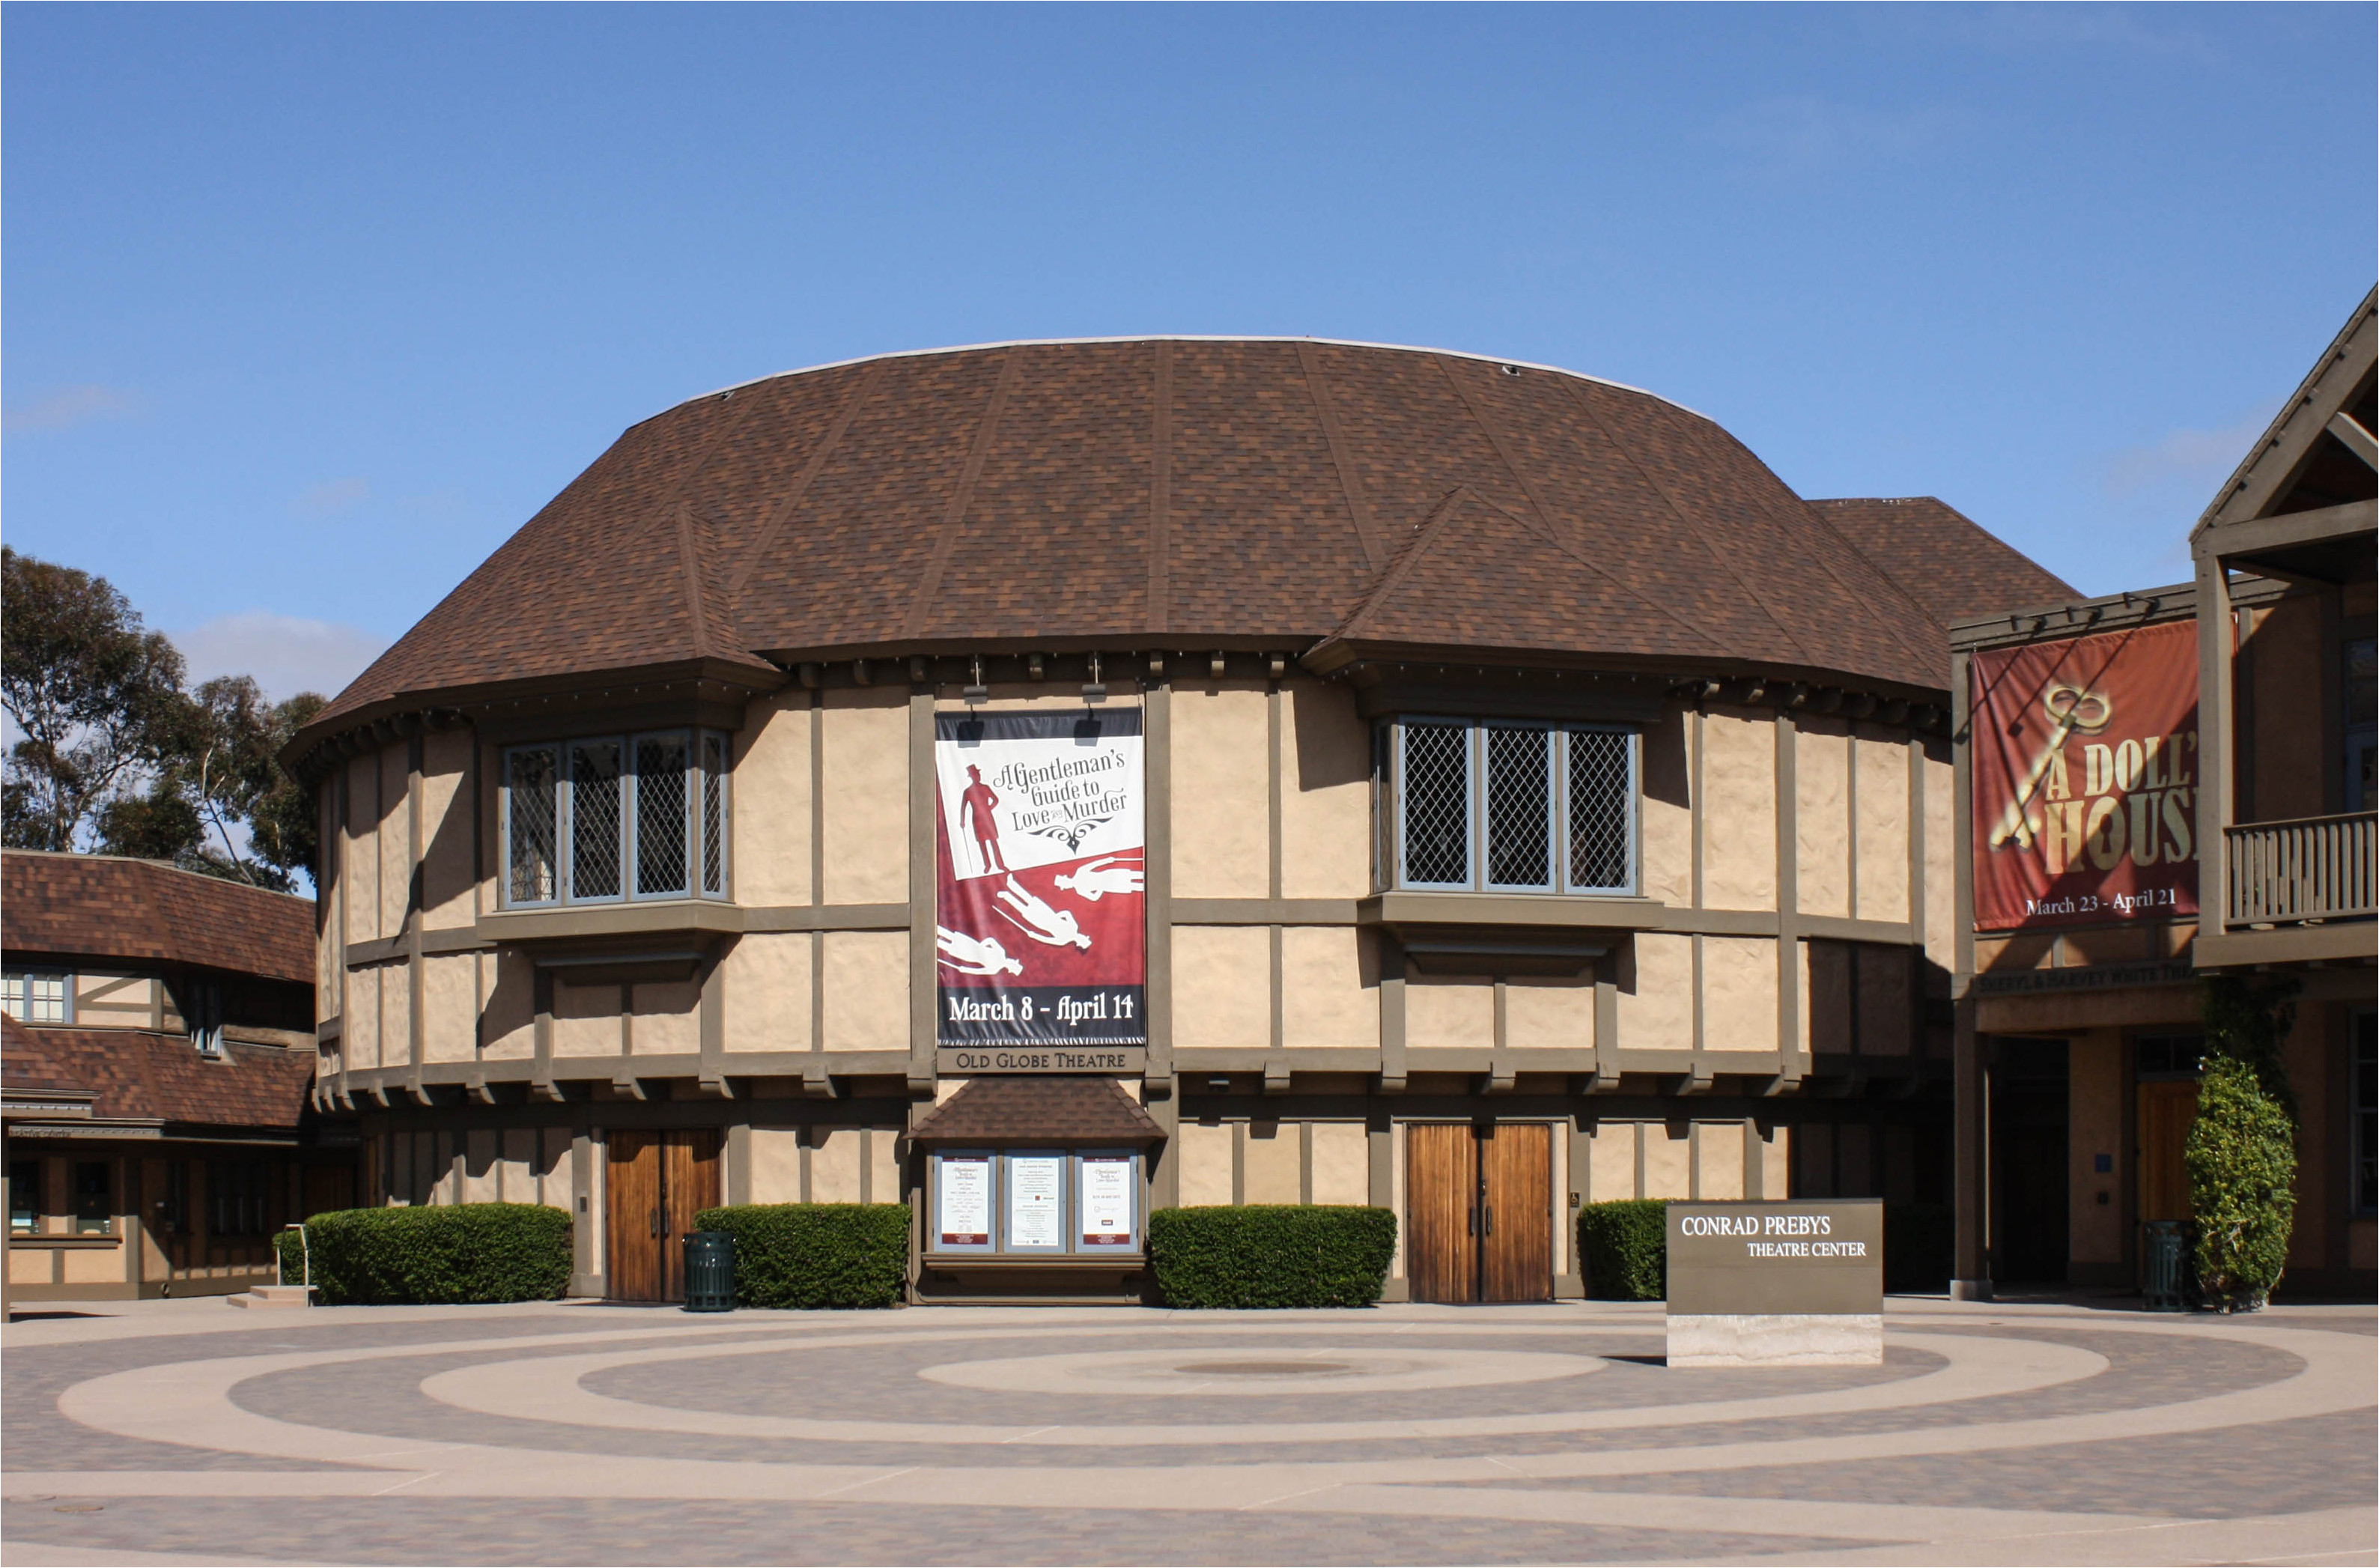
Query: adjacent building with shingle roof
point(156, 1072)
point(1311, 739)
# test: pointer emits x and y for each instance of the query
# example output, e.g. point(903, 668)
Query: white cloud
point(2198, 458)
point(69, 406)
point(286, 654)
point(330, 497)
point(1807, 133)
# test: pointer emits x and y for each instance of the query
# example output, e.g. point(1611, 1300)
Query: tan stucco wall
point(449, 891)
point(395, 864)
point(359, 868)
point(1668, 1160)
point(1555, 1012)
point(666, 1021)
point(359, 1036)
point(1941, 864)
point(1222, 841)
point(1738, 994)
point(1738, 810)
point(1719, 1160)
point(1205, 1152)
point(395, 1014)
point(770, 842)
point(115, 1001)
point(1441, 1011)
point(1882, 766)
point(865, 736)
point(449, 1007)
point(1330, 993)
point(1657, 1012)
point(586, 1020)
point(510, 1012)
point(776, 1164)
point(1610, 1162)
point(1821, 765)
point(766, 983)
point(1666, 814)
point(1342, 1162)
point(1274, 1165)
point(835, 1162)
point(1325, 803)
point(1222, 986)
point(866, 990)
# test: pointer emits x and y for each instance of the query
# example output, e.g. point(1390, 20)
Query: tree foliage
point(113, 753)
point(2241, 1162)
point(2241, 1157)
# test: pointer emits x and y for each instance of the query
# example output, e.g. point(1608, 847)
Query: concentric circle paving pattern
point(1403, 1434)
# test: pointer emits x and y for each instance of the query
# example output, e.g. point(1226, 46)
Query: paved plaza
point(583, 1433)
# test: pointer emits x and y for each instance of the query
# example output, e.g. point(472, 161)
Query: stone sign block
point(1798, 1283)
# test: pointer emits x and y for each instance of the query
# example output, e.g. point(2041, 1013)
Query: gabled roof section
point(29, 1067)
point(1942, 558)
point(136, 1075)
point(1047, 1112)
point(107, 909)
point(2319, 451)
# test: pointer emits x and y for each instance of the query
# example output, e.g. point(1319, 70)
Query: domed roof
point(1184, 493)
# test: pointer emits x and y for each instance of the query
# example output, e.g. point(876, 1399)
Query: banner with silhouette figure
point(2086, 772)
point(1041, 928)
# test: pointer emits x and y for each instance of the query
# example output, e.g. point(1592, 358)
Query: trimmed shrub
point(1625, 1246)
point(1272, 1255)
point(2241, 1162)
point(809, 1255)
point(1919, 1247)
point(448, 1253)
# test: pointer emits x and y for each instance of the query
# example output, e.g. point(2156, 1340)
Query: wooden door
point(1515, 1224)
point(1442, 1199)
point(659, 1181)
point(2167, 1110)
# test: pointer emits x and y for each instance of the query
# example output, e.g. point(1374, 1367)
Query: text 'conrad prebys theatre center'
point(1045, 783)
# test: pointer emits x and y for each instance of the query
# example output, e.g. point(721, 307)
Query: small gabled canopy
point(1039, 1112)
point(2304, 502)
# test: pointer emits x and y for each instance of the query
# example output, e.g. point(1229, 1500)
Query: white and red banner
point(1039, 909)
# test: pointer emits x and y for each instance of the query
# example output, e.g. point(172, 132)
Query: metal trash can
point(709, 1271)
point(2163, 1255)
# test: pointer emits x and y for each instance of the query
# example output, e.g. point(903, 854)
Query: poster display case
point(1023, 1204)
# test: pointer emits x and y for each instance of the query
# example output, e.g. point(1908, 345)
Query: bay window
point(616, 817)
point(1507, 806)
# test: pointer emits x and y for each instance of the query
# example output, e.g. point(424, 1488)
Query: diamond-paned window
point(532, 825)
point(598, 786)
point(1602, 789)
point(714, 815)
point(1435, 790)
point(662, 820)
point(1509, 806)
point(610, 817)
point(1519, 808)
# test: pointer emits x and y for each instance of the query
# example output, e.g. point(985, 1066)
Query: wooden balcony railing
point(2315, 868)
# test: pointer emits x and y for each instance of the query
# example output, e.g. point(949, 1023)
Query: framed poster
point(1107, 1203)
point(2085, 767)
point(962, 1197)
point(1036, 1203)
point(1040, 917)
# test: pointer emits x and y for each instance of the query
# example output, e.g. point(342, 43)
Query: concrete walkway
point(579, 1432)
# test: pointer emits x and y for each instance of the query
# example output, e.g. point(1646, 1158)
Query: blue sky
point(307, 308)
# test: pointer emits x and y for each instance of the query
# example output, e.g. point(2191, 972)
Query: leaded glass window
point(600, 819)
point(1509, 806)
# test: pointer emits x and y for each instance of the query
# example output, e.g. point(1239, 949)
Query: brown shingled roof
point(139, 1076)
point(1038, 1111)
point(103, 907)
point(1161, 492)
point(28, 1065)
point(1944, 559)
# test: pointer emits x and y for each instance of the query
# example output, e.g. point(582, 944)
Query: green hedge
point(1625, 1247)
point(447, 1253)
point(1272, 1255)
point(808, 1255)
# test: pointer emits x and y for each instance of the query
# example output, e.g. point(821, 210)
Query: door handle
point(1470, 1220)
point(1490, 1219)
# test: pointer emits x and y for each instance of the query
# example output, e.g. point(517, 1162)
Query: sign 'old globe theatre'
point(1048, 782)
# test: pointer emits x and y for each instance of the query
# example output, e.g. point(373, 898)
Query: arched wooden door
point(657, 1181)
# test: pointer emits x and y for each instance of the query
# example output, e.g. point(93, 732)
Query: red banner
point(2084, 767)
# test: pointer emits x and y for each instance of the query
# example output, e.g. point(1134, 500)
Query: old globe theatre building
point(1048, 782)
